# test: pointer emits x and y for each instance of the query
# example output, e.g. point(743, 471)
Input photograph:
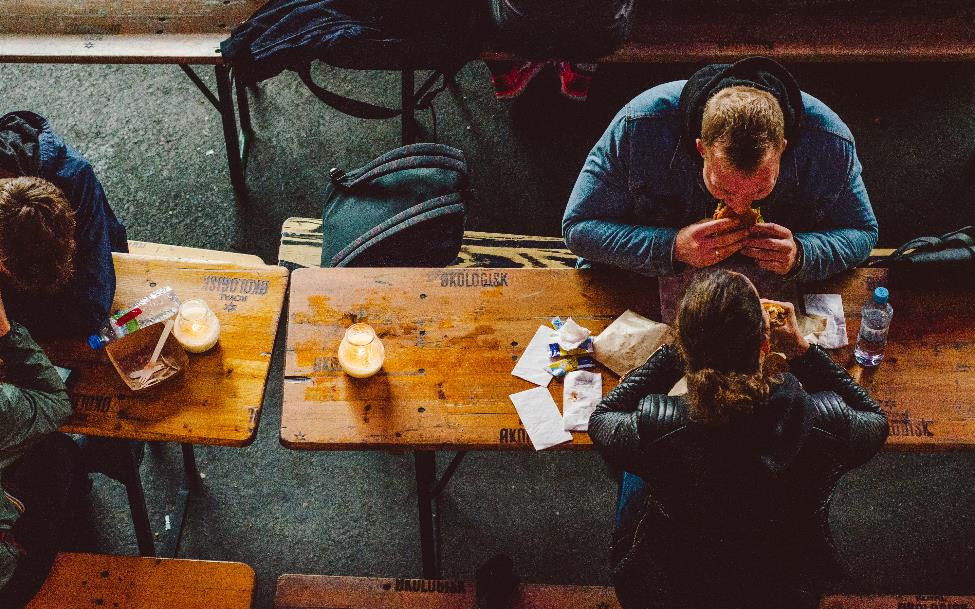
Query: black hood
point(759, 72)
point(20, 150)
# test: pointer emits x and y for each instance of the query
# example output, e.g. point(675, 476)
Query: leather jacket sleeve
point(634, 407)
point(845, 410)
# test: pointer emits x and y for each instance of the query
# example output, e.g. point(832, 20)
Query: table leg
point(426, 478)
point(225, 95)
point(137, 502)
point(408, 100)
point(191, 483)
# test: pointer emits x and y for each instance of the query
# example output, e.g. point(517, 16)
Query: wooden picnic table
point(452, 337)
point(216, 401)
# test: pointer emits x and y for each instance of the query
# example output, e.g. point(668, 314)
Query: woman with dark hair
point(725, 495)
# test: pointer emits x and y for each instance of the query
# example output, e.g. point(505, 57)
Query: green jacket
point(33, 403)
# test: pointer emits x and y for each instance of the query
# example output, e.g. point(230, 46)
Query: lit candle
point(197, 329)
point(361, 353)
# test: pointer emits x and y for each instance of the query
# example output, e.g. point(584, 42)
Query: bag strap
point(410, 150)
point(345, 105)
point(922, 244)
point(411, 162)
point(361, 109)
point(452, 203)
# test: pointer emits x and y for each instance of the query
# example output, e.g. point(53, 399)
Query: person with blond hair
point(725, 494)
point(672, 183)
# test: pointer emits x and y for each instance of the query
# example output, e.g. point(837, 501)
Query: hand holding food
point(709, 242)
point(773, 248)
point(785, 334)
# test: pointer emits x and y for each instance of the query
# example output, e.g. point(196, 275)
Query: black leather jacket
point(738, 512)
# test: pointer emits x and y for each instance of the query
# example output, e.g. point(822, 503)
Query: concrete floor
point(905, 522)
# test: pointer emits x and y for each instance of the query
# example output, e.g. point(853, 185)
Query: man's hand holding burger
point(709, 242)
point(773, 248)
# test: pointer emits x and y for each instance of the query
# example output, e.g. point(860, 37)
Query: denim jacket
point(640, 185)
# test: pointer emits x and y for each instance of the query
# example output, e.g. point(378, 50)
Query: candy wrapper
point(557, 352)
point(571, 335)
point(559, 368)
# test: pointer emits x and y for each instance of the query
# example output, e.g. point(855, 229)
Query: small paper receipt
point(541, 417)
point(531, 364)
point(829, 306)
point(582, 392)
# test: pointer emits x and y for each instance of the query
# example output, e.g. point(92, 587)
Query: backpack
point(439, 35)
point(406, 208)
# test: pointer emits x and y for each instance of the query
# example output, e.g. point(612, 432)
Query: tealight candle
point(197, 329)
point(361, 353)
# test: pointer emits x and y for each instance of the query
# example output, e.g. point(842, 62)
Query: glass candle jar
point(197, 329)
point(361, 353)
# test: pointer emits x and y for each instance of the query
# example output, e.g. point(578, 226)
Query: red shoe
point(576, 79)
point(512, 82)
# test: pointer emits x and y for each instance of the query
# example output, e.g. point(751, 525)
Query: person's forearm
point(27, 366)
point(642, 249)
point(828, 253)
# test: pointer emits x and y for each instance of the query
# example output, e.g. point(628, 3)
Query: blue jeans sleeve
point(854, 231)
point(597, 226)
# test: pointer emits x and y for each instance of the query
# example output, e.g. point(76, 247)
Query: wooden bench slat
point(112, 49)
point(132, 582)
point(330, 592)
point(664, 36)
point(183, 253)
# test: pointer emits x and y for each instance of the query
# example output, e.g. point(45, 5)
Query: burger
point(752, 216)
point(776, 314)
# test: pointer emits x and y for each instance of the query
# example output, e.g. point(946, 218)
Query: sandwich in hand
point(776, 314)
point(752, 216)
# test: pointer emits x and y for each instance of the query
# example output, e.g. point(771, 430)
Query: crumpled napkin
point(830, 307)
point(628, 342)
point(582, 393)
point(540, 416)
point(571, 335)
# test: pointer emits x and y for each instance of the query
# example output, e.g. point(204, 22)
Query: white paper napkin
point(531, 364)
point(571, 335)
point(829, 306)
point(582, 393)
point(541, 417)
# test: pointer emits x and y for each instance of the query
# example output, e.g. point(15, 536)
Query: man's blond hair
point(745, 124)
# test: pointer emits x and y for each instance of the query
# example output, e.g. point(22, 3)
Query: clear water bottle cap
point(880, 295)
point(96, 342)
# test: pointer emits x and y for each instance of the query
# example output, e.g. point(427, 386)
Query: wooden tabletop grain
point(452, 337)
point(218, 399)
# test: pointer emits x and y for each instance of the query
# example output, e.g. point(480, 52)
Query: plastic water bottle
point(874, 323)
point(157, 306)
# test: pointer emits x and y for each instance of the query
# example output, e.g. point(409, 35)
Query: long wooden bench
point(301, 247)
point(676, 31)
point(330, 592)
point(131, 582)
